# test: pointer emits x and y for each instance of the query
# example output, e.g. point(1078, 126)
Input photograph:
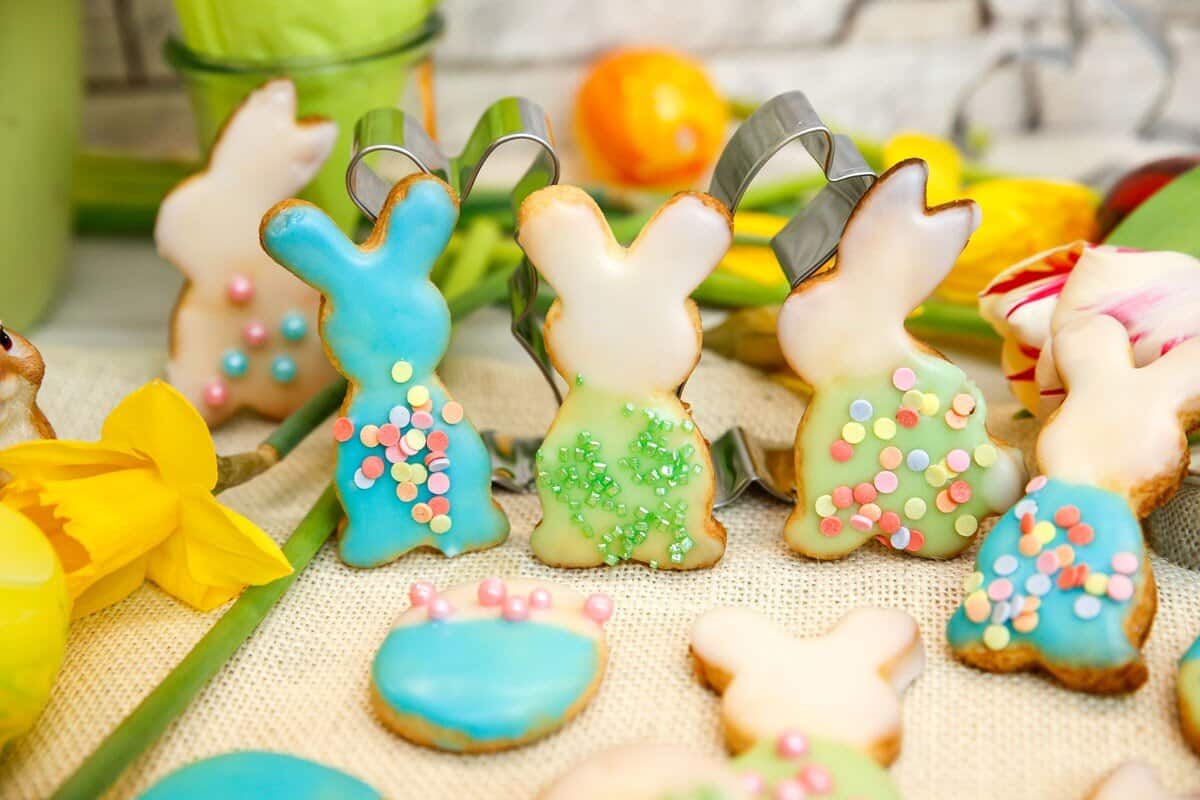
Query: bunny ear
point(1089, 351)
point(1179, 369)
point(888, 639)
point(566, 237)
point(305, 241)
point(683, 242)
point(732, 639)
point(895, 244)
point(251, 125)
point(415, 224)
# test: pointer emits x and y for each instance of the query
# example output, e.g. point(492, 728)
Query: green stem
point(168, 700)
point(479, 240)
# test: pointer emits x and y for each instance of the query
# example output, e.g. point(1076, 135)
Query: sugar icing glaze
point(623, 472)
point(253, 775)
point(498, 662)
point(244, 331)
point(411, 471)
point(887, 411)
point(1059, 573)
point(900, 465)
point(820, 768)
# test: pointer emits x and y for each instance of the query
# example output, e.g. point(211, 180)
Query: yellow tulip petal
point(756, 223)
point(158, 421)
point(167, 567)
point(55, 459)
point(110, 589)
point(943, 158)
point(223, 547)
point(116, 517)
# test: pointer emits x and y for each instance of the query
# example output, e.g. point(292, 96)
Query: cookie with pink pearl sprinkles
point(490, 665)
point(894, 444)
point(1063, 584)
point(243, 333)
point(844, 685)
point(791, 766)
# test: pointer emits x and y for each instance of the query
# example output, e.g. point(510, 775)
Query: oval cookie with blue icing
point(254, 775)
point(487, 666)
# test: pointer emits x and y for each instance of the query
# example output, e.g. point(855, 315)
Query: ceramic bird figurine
point(21, 371)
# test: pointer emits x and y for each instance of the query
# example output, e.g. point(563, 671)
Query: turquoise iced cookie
point(1187, 690)
point(1061, 584)
point(488, 666)
point(411, 471)
point(258, 776)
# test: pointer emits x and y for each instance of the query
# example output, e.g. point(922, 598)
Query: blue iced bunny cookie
point(254, 775)
point(411, 471)
point(1062, 583)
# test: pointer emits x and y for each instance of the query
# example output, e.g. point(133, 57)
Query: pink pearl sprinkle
point(792, 744)
point(540, 599)
point(816, 778)
point(240, 289)
point(598, 608)
point(492, 592)
point(754, 783)
point(421, 592)
point(1120, 588)
point(516, 609)
point(216, 394)
point(440, 608)
point(254, 334)
point(1125, 562)
point(790, 789)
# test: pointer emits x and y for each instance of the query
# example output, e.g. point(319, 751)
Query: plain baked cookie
point(244, 331)
point(1062, 583)
point(893, 444)
point(492, 665)
point(791, 766)
point(844, 685)
point(623, 473)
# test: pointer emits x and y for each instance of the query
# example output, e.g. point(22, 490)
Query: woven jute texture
point(301, 683)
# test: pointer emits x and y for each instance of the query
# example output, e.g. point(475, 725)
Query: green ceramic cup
point(342, 89)
point(40, 91)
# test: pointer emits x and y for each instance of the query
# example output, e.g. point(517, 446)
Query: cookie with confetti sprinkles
point(252, 775)
point(410, 470)
point(844, 685)
point(894, 444)
point(487, 666)
point(1063, 583)
point(243, 332)
point(624, 473)
point(1187, 692)
point(1134, 780)
point(789, 766)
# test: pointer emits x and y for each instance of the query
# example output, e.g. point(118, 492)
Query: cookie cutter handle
point(812, 236)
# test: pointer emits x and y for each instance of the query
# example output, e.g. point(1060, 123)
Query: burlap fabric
point(300, 685)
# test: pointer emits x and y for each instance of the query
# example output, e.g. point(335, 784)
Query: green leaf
point(1167, 220)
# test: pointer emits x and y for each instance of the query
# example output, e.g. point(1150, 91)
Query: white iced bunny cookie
point(21, 372)
point(1155, 295)
point(623, 472)
point(894, 443)
point(1135, 780)
point(244, 330)
point(843, 686)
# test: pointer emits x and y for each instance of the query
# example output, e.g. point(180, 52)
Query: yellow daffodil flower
point(1021, 216)
point(138, 505)
point(755, 262)
point(34, 611)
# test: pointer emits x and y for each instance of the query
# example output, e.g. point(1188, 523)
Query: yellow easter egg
point(34, 612)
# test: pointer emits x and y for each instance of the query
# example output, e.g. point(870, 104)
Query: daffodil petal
point(158, 421)
point(56, 459)
point(223, 547)
point(167, 567)
point(110, 589)
point(116, 517)
point(943, 158)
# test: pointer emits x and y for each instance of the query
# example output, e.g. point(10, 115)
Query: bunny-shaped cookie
point(893, 444)
point(844, 685)
point(1062, 583)
point(411, 471)
point(21, 372)
point(623, 472)
point(244, 331)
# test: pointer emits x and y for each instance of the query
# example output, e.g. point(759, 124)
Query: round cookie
point(21, 373)
point(254, 775)
point(492, 665)
point(243, 331)
point(893, 445)
point(844, 685)
point(624, 473)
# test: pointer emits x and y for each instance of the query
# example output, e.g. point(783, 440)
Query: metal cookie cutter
point(802, 246)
